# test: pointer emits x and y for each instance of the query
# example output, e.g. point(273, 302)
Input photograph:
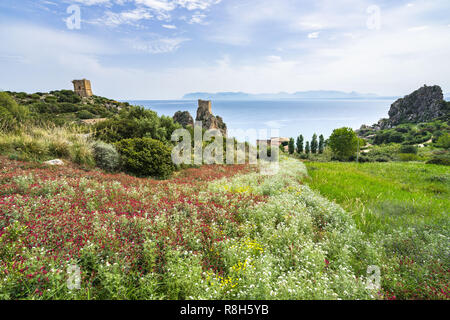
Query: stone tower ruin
point(82, 88)
point(205, 115)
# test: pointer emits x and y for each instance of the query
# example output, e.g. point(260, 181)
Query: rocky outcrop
point(184, 118)
point(424, 104)
point(209, 121)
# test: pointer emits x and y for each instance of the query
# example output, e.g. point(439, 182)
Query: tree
point(307, 150)
point(314, 143)
point(11, 114)
point(343, 142)
point(444, 141)
point(300, 144)
point(291, 146)
point(321, 143)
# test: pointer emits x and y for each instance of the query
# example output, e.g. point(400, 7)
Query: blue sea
point(290, 117)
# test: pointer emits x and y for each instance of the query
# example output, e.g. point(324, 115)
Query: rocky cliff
point(424, 104)
point(205, 115)
point(184, 118)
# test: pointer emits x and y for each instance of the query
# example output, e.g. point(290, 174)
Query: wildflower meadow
point(214, 232)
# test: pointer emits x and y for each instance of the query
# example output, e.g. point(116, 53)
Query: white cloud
point(126, 17)
point(169, 5)
point(197, 18)
point(92, 2)
point(159, 5)
point(274, 59)
point(157, 45)
point(169, 26)
point(313, 35)
point(152, 9)
point(420, 28)
point(197, 4)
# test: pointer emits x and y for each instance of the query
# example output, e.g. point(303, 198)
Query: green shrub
point(382, 159)
point(82, 154)
point(364, 159)
point(84, 114)
point(407, 157)
point(106, 156)
point(59, 148)
point(303, 156)
point(442, 159)
point(136, 122)
point(11, 114)
point(408, 149)
point(444, 141)
point(145, 157)
point(51, 99)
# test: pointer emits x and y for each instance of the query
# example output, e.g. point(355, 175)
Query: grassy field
point(404, 207)
point(386, 195)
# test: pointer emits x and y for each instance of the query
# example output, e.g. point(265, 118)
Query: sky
point(163, 49)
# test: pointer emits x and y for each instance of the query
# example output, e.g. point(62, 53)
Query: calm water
point(291, 118)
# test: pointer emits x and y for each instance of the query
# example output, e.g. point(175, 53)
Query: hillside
point(423, 105)
point(419, 124)
point(65, 106)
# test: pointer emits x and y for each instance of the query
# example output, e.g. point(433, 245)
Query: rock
point(184, 118)
point(424, 104)
point(209, 121)
point(55, 162)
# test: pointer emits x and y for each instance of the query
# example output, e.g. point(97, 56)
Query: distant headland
point(316, 94)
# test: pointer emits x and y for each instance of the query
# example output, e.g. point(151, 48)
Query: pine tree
point(300, 144)
point(321, 143)
point(314, 143)
point(291, 146)
point(307, 147)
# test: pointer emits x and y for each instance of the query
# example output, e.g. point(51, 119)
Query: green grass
point(403, 208)
point(33, 143)
point(385, 196)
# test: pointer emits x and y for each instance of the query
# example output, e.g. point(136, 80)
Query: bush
point(363, 159)
point(382, 159)
point(303, 156)
point(11, 114)
point(82, 154)
point(444, 141)
point(145, 157)
point(408, 149)
point(407, 157)
point(442, 159)
point(136, 122)
point(59, 148)
point(106, 156)
point(84, 114)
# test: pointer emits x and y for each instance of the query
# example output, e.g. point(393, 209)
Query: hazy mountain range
point(318, 94)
